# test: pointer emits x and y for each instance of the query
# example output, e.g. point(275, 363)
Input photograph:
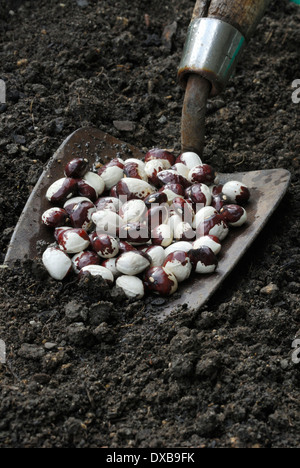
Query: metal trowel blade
point(268, 187)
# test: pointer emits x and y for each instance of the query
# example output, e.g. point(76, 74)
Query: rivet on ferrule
point(212, 50)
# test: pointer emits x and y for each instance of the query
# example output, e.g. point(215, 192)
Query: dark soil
point(84, 367)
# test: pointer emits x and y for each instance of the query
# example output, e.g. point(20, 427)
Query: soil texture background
point(84, 367)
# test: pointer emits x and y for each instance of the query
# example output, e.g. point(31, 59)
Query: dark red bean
point(77, 168)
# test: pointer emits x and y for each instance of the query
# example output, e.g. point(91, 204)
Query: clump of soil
point(84, 366)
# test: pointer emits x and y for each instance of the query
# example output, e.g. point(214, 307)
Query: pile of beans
point(143, 225)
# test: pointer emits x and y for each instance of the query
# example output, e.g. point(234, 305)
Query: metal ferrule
point(212, 49)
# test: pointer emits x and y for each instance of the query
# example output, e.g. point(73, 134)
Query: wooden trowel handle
point(217, 35)
point(216, 39)
point(244, 15)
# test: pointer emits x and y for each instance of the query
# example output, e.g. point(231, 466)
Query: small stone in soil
point(124, 125)
point(158, 302)
point(270, 290)
point(82, 3)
